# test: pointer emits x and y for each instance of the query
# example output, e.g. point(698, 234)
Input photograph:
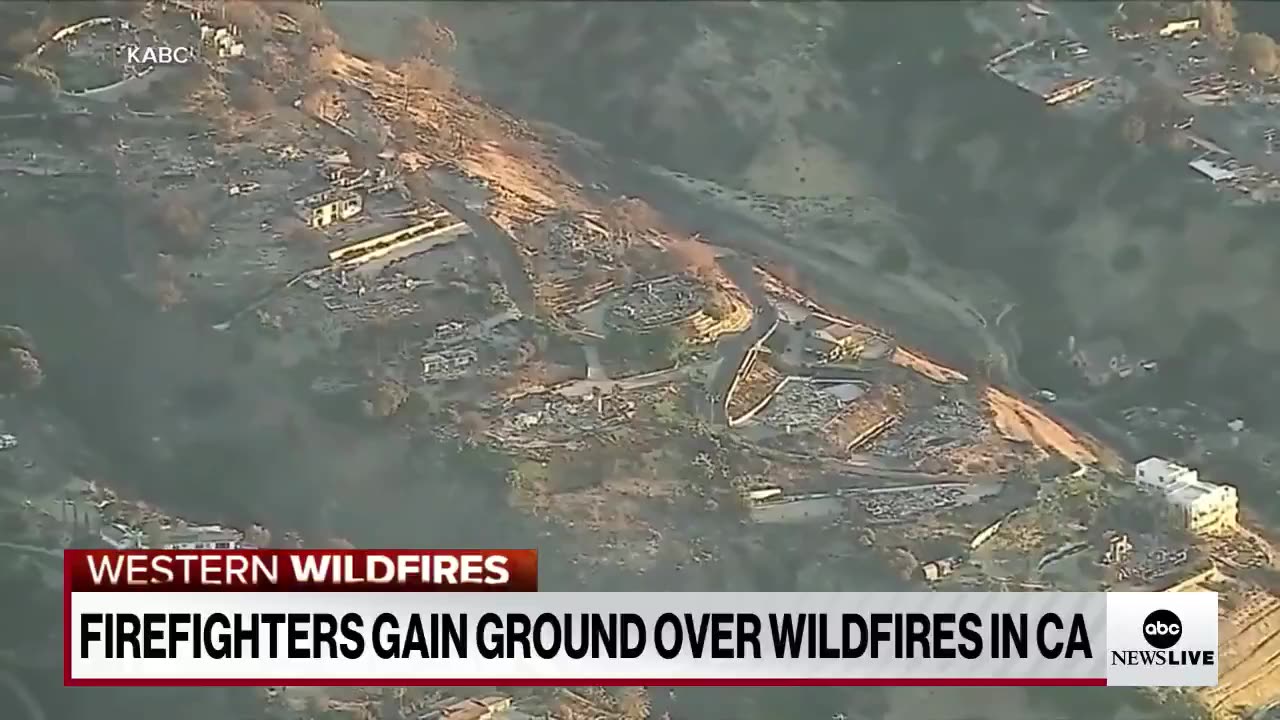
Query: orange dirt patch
point(1022, 421)
point(457, 130)
point(927, 367)
point(760, 380)
point(1249, 641)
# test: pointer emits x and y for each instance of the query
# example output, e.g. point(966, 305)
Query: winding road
point(907, 306)
point(735, 351)
point(578, 388)
point(499, 243)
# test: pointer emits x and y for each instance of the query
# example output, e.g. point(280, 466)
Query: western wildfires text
point(582, 635)
point(213, 569)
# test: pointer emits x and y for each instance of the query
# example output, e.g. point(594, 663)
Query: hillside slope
point(886, 105)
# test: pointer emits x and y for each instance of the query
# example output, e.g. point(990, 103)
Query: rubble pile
point(656, 303)
point(944, 426)
point(801, 406)
point(899, 505)
point(1154, 563)
point(552, 420)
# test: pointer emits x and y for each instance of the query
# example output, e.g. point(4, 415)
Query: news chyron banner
point(437, 617)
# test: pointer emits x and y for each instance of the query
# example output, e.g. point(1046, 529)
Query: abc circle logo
point(1162, 629)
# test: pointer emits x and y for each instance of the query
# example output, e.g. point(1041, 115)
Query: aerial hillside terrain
point(1091, 235)
point(688, 296)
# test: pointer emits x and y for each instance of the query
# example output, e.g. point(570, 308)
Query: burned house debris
point(1101, 360)
point(170, 537)
point(447, 364)
point(657, 303)
point(321, 209)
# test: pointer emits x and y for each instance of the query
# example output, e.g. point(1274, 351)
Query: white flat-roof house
point(1200, 507)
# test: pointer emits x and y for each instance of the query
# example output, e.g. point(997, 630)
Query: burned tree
point(1256, 54)
point(37, 78)
point(362, 151)
point(253, 97)
point(166, 294)
point(250, 17)
point(1134, 128)
point(1217, 19)
point(432, 40)
point(386, 399)
point(696, 258)
point(404, 133)
point(633, 703)
point(718, 305)
point(323, 60)
point(276, 67)
point(325, 103)
point(19, 366)
point(180, 225)
point(472, 427)
point(24, 31)
point(903, 563)
point(423, 74)
point(20, 370)
point(313, 26)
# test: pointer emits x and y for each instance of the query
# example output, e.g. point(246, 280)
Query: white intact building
point(1199, 506)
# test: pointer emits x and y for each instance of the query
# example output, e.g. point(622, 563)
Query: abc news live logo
point(1162, 639)
point(1162, 630)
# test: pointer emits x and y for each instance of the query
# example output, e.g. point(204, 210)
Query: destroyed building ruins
point(657, 303)
point(203, 537)
point(322, 209)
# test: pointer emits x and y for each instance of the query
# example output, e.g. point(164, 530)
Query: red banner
point(301, 570)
